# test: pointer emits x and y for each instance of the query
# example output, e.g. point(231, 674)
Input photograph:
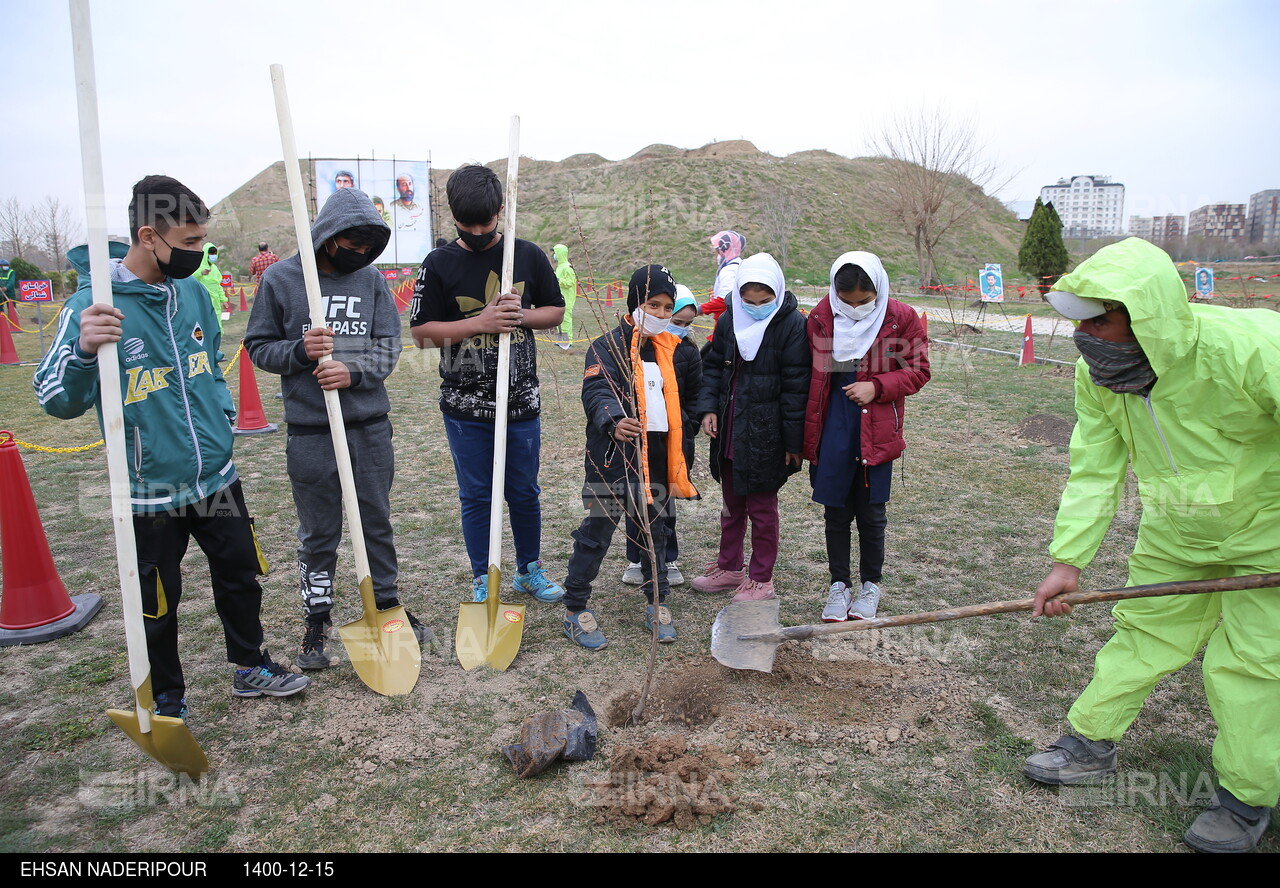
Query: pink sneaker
point(754, 590)
point(717, 580)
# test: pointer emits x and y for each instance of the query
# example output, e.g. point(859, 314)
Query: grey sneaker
point(1228, 826)
point(421, 631)
point(865, 605)
point(838, 603)
point(1071, 760)
point(674, 576)
point(632, 575)
point(270, 678)
point(313, 654)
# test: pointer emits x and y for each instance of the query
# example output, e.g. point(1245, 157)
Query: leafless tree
point(59, 229)
point(780, 210)
point(17, 226)
point(936, 177)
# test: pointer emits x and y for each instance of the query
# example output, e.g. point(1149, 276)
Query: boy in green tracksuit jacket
point(177, 420)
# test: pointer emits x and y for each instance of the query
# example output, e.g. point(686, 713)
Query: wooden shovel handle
point(1186, 587)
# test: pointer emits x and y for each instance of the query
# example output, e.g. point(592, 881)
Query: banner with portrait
point(399, 190)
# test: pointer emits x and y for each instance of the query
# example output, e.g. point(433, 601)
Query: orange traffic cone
point(8, 354)
point(250, 420)
point(13, 315)
point(244, 306)
point(924, 320)
point(34, 605)
point(608, 295)
point(1028, 346)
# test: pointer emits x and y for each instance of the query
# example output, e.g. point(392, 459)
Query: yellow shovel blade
point(170, 741)
point(489, 631)
point(382, 647)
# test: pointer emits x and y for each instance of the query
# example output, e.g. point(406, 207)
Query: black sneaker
point(312, 653)
point(270, 678)
point(171, 708)
point(421, 631)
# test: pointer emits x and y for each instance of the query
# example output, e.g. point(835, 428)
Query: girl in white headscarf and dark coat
point(869, 353)
point(755, 382)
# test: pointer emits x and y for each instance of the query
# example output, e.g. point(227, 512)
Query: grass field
point(908, 739)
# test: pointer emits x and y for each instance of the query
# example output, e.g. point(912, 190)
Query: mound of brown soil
point(665, 780)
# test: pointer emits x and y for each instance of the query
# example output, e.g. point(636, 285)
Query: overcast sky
point(1177, 100)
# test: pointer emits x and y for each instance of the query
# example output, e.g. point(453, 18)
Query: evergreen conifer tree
point(1043, 254)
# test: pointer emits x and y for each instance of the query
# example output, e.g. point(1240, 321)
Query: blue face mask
point(760, 312)
point(678, 332)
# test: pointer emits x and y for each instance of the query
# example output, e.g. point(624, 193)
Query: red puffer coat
point(898, 364)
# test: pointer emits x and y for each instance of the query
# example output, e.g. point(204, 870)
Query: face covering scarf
point(1120, 366)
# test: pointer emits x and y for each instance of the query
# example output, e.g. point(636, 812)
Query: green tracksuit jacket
point(177, 410)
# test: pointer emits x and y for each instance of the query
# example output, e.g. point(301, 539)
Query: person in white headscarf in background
point(754, 385)
point(728, 247)
point(870, 353)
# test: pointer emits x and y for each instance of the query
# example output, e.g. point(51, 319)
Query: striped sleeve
point(66, 382)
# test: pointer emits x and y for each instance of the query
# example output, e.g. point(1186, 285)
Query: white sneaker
point(838, 601)
point(565, 344)
point(865, 605)
point(632, 575)
point(674, 577)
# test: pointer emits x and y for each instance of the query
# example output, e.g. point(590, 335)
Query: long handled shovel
point(381, 644)
point(167, 740)
point(489, 632)
point(746, 635)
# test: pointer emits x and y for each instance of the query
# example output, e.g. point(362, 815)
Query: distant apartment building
point(1140, 226)
point(1217, 220)
point(1264, 216)
point(1089, 206)
point(1156, 228)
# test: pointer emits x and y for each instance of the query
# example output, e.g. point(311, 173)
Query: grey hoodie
point(358, 308)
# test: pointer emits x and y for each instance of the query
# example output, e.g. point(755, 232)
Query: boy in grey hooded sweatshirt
point(363, 335)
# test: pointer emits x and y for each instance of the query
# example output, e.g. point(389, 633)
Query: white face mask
point(856, 312)
point(647, 323)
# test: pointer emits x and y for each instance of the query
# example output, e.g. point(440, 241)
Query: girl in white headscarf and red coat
point(869, 353)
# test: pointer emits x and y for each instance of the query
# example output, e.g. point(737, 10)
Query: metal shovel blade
point(170, 742)
point(746, 618)
point(382, 647)
point(489, 631)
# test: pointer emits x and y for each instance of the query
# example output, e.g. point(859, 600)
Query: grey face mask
point(1120, 366)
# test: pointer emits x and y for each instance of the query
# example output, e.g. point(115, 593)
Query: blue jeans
point(471, 446)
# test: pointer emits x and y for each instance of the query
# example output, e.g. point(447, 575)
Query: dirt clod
point(664, 780)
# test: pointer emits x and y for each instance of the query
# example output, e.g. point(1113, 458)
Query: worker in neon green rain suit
point(568, 280)
point(1190, 396)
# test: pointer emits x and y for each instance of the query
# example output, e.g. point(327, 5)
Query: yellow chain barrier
point(42, 449)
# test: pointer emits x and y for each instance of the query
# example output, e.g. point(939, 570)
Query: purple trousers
point(762, 510)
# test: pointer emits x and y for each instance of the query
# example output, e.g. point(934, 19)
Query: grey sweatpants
point(317, 493)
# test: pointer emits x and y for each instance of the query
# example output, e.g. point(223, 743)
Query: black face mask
point(182, 263)
point(477, 242)
point(346, 261)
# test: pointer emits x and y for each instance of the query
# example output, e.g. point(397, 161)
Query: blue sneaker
point(583, 630)
point(480, 588)
point(535, 583)
point(171, 708)
point(666, 628)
